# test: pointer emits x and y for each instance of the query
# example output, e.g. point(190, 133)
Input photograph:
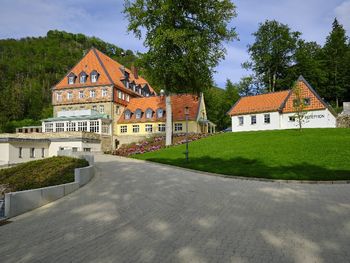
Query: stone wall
point(343, 121)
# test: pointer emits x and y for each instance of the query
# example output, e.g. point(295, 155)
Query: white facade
point(280, 121)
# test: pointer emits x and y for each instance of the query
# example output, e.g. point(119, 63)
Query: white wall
point(260, 124)
point(55, 146)
point(4, 153)
point(313, 119)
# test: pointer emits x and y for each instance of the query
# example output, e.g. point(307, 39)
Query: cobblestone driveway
point(138, 212)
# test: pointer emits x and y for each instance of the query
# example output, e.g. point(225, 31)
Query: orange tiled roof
point(109, 70)
point(259, 103)
point(178, 103)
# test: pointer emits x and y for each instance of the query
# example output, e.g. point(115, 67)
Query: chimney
point(134, 71)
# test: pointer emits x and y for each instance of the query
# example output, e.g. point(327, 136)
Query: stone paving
point(141, 212)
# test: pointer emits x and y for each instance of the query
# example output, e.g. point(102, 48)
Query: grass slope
point(41, 173)
point(312, 154)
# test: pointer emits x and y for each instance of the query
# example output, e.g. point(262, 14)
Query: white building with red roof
point(278, 110)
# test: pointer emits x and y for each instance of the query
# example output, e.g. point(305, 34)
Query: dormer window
point(149, 113)
point(83, 77)
point(71, 78)
point(127, 114)
point(138, 114)
point(160, 113)
point(94, 76)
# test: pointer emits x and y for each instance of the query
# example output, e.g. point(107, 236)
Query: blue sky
point(103, 19)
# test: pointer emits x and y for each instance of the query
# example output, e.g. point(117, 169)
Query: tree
point(272, 53)
point(298, 105)
point(335, 55)
point(184, 39)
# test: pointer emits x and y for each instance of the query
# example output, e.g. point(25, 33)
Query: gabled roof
point(110, 71)
point(178, 104)
point(259, 103)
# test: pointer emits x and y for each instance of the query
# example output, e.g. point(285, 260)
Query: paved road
point(141, 212)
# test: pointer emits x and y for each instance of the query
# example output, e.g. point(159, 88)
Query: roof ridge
point(268, 93)
point(102, 65)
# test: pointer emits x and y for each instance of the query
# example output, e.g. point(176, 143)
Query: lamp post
point(186, 115)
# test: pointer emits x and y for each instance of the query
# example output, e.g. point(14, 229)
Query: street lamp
point(187, 112)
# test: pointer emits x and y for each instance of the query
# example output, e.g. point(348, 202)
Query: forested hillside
point(29, 67)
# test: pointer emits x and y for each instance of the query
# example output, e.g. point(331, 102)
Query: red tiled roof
point(259, 103)
point(109, 70)
point(178, 103)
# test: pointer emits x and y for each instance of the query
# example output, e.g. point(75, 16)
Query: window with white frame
point(59, 96)
point(240, 120)
point(71, 80)
point(253, 119)
point(292, 118)
point(49, 127)
point(102, 108)
point(307, 101)
point(70, 126)
point(161, 127)
point(92, 94)
point(123, 129)
point(32, 152)
point(81, 94)
point(123, 96)
point(149, 114)
point(267, 118)
point(94, 77)
point(127, 98)
point(105, 128)
point(83, 78)
point(178, 126)
point(136, 128)
point(104, 93)
point(148, 128)
point(138, 114)
point(127, 115)
point(59, 126)
point(70, 95)
point(82, 125)
point(160, 113)
point(20, 152)
point(117, 110)
point(94, 126)
point(119, 94)
point(94, 107)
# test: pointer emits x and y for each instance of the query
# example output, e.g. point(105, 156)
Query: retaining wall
point(17, 203)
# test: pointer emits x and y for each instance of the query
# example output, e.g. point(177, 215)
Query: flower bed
point(156, 143)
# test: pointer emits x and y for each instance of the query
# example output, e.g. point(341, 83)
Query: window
point(119, 94)
point(74, 149)
point(20, 151)
point(94, 107)
point(92, 94)
point(267, 118)
point(160, 113)
point(138, 114)
point(42, 152)
point(70, 126)
point(94, 76)
point(253, 119)
point(59, 126)
point(105, 128)
point(83, 78)
point(123, 129)
point(87, 149)
point(59, 96)
point(148, 128)
point(32, 152)
point(70, 95)
point(178, 126)
point(81, 94)
point(296, 102)
point(71, 80)
point(94, 126)
point(102, 108)
point(104, 93)
point(82, 126)
point(240, 120)
point(292, 118)
point(123, 96)
point(161, 127)
point(149, 114)
point(136, 128)
point(307, 101)
point(49, 127)
point(127, 114)
point(117, 110)
point(127, 98)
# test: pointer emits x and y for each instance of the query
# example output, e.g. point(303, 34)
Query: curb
point(257, 179)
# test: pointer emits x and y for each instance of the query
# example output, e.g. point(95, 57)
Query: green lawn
point(312, 154)
point(41, 173)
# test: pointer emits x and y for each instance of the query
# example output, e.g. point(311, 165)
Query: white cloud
point(342, 12)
